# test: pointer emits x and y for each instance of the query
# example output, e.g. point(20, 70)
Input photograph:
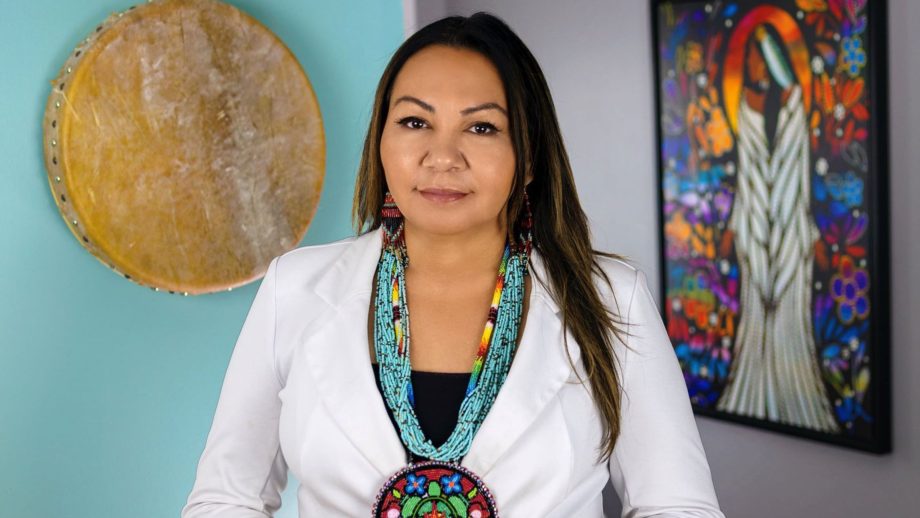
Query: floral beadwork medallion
point(434, 489)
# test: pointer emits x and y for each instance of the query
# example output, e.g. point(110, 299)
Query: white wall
point(590, 50)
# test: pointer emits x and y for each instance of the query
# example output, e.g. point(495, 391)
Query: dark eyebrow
point(466, 111)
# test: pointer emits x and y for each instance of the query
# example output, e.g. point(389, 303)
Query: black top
point(438, 396)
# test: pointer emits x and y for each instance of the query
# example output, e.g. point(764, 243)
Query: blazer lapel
point(538, 371)
point(340, 365)
point(338, 356)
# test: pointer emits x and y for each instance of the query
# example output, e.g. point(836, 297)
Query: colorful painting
point(773, 199)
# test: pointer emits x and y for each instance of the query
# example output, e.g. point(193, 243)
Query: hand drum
point(184, 146)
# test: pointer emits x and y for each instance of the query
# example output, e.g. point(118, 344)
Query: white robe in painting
point(775, 374)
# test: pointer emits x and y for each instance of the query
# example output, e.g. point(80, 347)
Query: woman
point(513, 409)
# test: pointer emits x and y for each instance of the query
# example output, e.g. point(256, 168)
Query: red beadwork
point(471, 494)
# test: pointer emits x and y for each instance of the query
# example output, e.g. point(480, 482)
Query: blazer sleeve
point(658, 466)
point(242, 472)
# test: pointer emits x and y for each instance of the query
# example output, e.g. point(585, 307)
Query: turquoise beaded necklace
point(427, 488)
point(392, 345)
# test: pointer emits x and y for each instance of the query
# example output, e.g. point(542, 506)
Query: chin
point(443, 228)
point(443, 223)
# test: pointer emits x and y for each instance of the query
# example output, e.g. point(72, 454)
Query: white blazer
point(299, 394)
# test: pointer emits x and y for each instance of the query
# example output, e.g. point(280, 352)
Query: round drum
point(184, 146)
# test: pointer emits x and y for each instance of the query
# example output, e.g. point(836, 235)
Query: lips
point(442, 195)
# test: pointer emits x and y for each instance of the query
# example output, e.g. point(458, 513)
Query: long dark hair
point(560, 231)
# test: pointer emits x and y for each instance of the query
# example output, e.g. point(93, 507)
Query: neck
point(470, 253)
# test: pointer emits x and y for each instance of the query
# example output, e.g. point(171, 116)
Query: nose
point(444, 154)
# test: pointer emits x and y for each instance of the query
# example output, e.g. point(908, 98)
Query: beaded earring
point(524, 229)
point(391, 219)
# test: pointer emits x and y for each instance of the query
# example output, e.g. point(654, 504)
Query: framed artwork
point(773, 203)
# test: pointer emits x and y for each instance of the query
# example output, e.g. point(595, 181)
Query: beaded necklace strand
point(493, 359)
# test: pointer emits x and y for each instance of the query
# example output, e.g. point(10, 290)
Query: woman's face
point(446, 148)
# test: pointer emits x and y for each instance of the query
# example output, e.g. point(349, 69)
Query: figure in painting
point(766, 89)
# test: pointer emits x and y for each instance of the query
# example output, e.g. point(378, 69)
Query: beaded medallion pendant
point(441, 487)
point(434, 489)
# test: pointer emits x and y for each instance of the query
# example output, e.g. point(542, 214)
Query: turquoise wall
point(107, 389)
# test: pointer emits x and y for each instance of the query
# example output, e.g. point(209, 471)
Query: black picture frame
point(861, 434)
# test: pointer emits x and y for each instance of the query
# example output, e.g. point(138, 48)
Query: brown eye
point(408, 121)
point(485, 128)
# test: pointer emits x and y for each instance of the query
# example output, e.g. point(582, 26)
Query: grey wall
point(590, 50)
